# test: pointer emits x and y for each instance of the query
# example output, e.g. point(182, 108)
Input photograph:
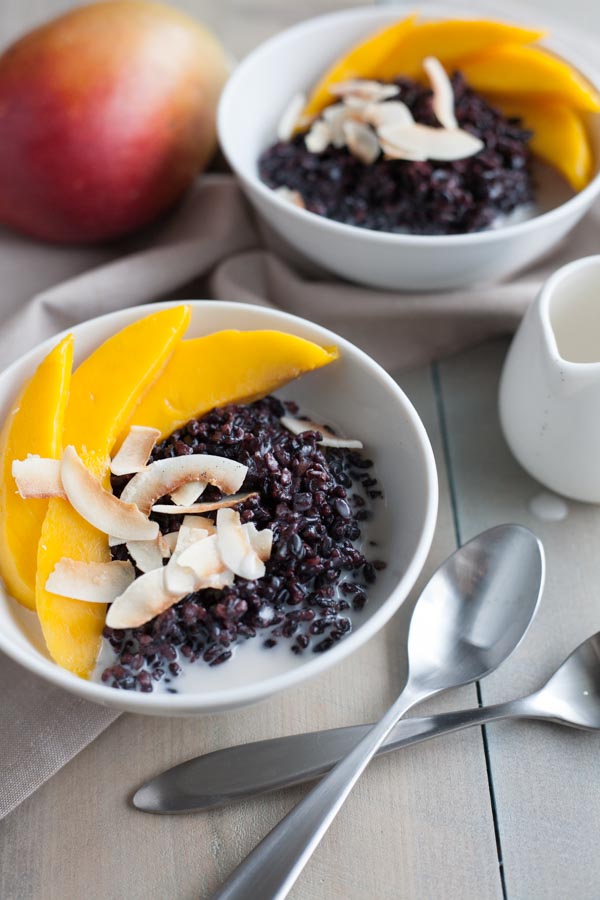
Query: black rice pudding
point(425, 197)
point(315, 500)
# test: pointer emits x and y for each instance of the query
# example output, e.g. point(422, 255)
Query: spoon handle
point(247, 770)
point(270, 871)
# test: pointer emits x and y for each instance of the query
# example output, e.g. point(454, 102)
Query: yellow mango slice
point(559, 137)
point(108, 385)
point(400, 49)
point(450, 41)
point(362, 61)
point(529, 72)
point(225, 367)
point(34, 425)
point(105, 390)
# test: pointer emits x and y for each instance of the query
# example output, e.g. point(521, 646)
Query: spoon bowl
point(476, 608)
point(571, 696)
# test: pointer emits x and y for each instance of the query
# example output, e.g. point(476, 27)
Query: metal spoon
point(472, 613)
point(571, 696)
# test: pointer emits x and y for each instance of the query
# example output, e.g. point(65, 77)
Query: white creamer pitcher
point(550, 385)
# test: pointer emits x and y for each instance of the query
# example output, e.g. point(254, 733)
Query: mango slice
point(105, 390)
point(108, 385)
point(559, 137)
point(399, 49)
point(529, 72)
point(225, 367)
point(450, 41)
point(34, 425)
point(362, 61)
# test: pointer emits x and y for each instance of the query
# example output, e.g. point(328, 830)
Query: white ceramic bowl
point(354, 393)
point(291, 62)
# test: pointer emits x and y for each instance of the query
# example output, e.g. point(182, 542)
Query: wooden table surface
point(512, 810)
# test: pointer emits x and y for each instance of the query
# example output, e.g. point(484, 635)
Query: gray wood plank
point(418, 825)
point(545, 777)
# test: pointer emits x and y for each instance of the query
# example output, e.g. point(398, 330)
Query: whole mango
point(106, 116)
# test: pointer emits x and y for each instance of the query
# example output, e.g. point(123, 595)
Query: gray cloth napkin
point(211, 247)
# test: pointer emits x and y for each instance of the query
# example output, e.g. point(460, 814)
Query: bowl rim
point(545, 296)
point(213, 701)
point(374, 13)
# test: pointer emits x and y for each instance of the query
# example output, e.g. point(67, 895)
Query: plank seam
point(441, 412)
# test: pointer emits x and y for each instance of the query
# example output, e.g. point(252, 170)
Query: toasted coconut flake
point(335, 116)
point(163, 546)
point(193, 528)
point(188, 493)
point(357, 111)
point(144, 599)
point(391, 151)
point(261, 541)
point(203, 558)
point(443, 95)
point(37, 477)
point(362, 142)
point(200, 566)
point(297, 426)
point(188, 580)
point(355, 105)
point(199, 522)
point(199, 508)
point(135, 450)
point(319, 137)
point(217, 582)
point(290, 196)
point(434, 143)
point(235, 548)
point(94, 582)
point(363, 89)
point(166, 475)
point(393, 113)
point(148, 555)
point(180, 579)
point(170, 539)
point(291, 115)
point(99, 507)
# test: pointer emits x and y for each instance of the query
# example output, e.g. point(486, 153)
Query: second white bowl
point(251, 105)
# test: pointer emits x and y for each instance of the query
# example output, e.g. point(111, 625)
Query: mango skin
point(106, 116)
point(225, 367)
point(105, 390)
point(34, 425)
